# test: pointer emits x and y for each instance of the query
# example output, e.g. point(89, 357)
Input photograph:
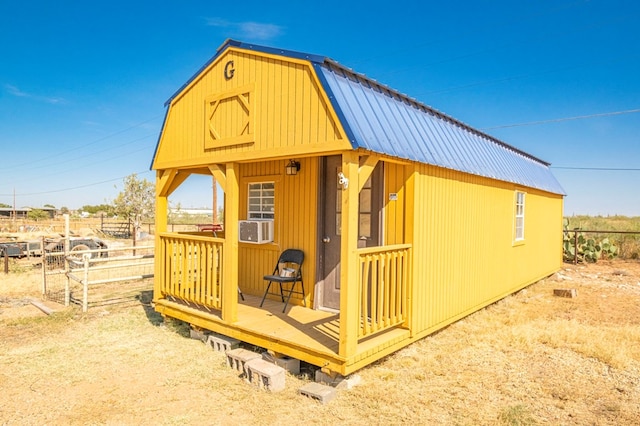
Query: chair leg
point(293, 284)
point(265, 294)
point(281, 293)
point(288, 297)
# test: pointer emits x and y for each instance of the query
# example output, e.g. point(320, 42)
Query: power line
point(81, 166)
point(75, 187)
point(527, 75)
point(558, 120)
point(614, 169)
point(110, 148)
point(57, 154)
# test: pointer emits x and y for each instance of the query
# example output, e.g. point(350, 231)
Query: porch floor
point(303, 333)
point(318, 331)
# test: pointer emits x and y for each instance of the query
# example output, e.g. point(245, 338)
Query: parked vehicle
point(54, 247)
point(31, 247)
point(78, 244)
point(11, 249)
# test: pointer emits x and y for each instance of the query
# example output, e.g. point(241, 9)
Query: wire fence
point(619, 244)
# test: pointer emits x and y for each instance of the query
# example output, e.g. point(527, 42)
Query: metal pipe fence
point(69, 277)
point(577, 232)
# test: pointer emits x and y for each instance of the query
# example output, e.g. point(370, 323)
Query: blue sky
point(83, 84)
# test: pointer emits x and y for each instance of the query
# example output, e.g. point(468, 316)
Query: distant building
point(192, 211)
point(22, 212)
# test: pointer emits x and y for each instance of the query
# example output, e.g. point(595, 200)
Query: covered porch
point(193, 287)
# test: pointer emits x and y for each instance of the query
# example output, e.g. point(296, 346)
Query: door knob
point(326, 240)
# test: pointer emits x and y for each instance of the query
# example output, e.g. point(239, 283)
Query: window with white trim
point(261, 203)
point(519, 223)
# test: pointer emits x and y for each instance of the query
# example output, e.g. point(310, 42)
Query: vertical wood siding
point(296, 215)
point(464, 255)
point(290, 113)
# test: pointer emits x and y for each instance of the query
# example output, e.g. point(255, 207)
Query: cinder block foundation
point(198, 334)
point(291, 365)
point(338, 382)
point(221, 343)
point(238, 359)
point(266, 375)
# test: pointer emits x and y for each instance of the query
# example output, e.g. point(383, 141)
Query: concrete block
point(238, 359)
point(266, 375)
point(221, 343)
point(338, 382)
point(318, 392)
point(198, 334)
point(561, 292)
point(291, 365)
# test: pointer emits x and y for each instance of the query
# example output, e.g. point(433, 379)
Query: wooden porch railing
point(192, 268)
point(384, 287)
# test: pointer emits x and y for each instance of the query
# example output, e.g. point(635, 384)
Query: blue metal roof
point(382, 120)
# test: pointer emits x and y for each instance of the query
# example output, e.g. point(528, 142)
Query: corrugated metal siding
point(382, 121)
point(464, 256)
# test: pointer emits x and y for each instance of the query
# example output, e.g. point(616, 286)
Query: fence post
point(85, 283)
point(575, 247)
point(44, 270)
point(6, 260)
point(67, 243)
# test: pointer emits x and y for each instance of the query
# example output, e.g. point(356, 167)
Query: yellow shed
point(408, 219)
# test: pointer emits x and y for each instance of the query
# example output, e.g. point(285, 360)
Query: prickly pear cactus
point(589, 249)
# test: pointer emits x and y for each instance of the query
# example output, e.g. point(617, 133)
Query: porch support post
point(160, 227)
point(230, 255)
point(349, 320)
point(409, 238)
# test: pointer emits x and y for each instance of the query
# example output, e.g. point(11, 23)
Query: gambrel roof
point(380, 119)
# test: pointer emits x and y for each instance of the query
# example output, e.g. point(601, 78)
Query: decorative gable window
point(519, 217)
point(229, 118)
point(261, 200)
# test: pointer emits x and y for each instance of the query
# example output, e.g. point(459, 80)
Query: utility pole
point(215, 201)
point(14, 210)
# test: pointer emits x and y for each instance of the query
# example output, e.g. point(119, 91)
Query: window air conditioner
point(255, 231)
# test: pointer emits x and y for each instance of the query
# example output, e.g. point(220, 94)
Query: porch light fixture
point(343, 180)
point(292, 168)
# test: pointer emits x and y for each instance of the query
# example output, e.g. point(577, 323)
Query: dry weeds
point(530, 359)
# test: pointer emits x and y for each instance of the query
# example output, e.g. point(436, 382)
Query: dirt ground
point(532, 358)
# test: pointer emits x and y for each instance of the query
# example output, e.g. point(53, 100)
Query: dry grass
point(530, 359)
